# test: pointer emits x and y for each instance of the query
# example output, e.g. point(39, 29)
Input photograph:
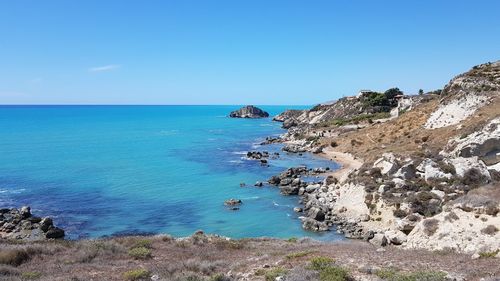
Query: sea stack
point(249, 111)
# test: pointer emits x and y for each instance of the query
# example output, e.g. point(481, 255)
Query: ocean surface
point(116, 170)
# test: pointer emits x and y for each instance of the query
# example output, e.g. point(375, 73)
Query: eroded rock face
point(465, 94)
point(21, 224)
point(484, 144)
point(249, 111)
point(456, 230)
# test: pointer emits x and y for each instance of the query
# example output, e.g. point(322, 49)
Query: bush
point(146, 243)
point(333, 144)
point(394, 275)
point(140, 253)
point(272, 274)
point(13, 257)
point(31, 275)
point(136, 274)
point(292, 240)
point(430, 226)
point(298, 254)
point(489, 254)
point(489, 230)
point(333, 273)
point(474, 177)
point(319, 263)
point(399, 213)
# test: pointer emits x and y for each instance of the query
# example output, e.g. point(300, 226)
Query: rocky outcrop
point(249, 111)
point(422, 194)
point(20, 224)
point(457, 230)
point(484, 144)
point(465, 94)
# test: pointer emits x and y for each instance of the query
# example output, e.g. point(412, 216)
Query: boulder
point(25, 212)
point(54, 233)
point(396, 237)
point(430, 170)
point(378, 240)
point(274, 180)
point(387, 164)
point(249, 111)
point(316, 214)
point(463, 165)
point(406, 172)
point(45, 224)
point(289, 190)
point(313, 225)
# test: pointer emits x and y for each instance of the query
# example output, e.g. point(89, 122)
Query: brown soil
point(406, 136)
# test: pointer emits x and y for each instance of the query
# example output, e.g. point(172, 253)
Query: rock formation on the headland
point(431, 172)
point(249, 111)
point(20, 224)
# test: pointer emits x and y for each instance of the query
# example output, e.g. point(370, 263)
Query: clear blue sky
point(236, 51)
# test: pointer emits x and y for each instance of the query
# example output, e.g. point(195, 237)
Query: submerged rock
point(249, 111)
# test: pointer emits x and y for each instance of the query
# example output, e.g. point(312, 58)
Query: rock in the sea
point(233, 202)
point(54, 233)
point(249, 111)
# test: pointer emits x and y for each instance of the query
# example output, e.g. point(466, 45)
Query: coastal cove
point(115, 170)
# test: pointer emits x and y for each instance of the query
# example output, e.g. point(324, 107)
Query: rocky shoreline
point(20, 224)
point(415, 190)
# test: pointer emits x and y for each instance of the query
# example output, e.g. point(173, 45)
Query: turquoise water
point(115, 170)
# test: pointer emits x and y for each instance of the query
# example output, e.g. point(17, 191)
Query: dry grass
point(407, 135)
point(211, 258)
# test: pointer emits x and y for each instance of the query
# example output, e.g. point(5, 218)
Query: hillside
point(429, 174)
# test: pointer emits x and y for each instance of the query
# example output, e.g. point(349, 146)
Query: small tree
point(392, 93)
point(420, 92)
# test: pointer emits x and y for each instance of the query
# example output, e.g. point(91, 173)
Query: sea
point(104, 171)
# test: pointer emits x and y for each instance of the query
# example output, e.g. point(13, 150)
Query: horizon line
point(138, 104)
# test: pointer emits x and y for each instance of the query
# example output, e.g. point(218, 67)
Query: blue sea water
point(113, 170)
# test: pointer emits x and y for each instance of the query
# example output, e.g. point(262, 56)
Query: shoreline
point(348, 163)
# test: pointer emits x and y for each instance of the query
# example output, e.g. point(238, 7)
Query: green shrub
point(271, 274)
point(136, 274)
point(30, 275)
point(489, 254)
point(298, 254)
point(292, 240)
point(319, 263)
point(146, 243)
point(394, 275)
point(334, 273)
point(140, 253)
point(219, 277)
point(13, 257)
